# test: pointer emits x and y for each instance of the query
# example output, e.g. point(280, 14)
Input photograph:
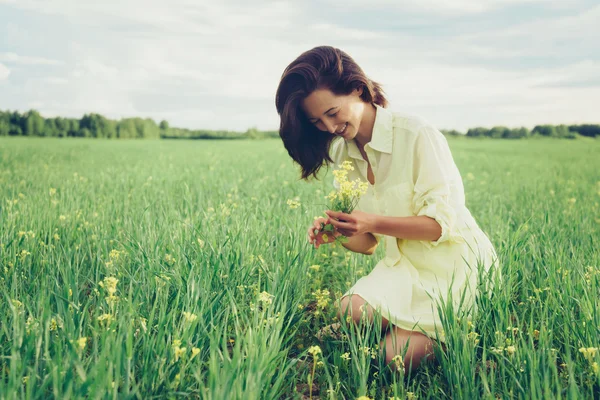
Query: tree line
point(552, 131)
point(93, 125)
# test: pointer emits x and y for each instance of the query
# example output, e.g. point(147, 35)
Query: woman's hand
point(317, 237)
point(353, 224)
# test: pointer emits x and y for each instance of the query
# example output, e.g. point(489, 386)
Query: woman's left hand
point(353, 224)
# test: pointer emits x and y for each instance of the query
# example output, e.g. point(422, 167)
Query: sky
point(216, 64)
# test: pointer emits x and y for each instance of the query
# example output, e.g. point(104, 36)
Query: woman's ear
point(359, 91)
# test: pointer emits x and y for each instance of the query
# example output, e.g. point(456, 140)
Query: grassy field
point(157, 269)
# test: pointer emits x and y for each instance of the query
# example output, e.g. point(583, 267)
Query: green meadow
point(169, 269)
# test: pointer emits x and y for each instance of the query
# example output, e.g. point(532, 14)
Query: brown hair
point(322, 67)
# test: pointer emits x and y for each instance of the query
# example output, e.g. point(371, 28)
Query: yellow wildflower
point(589, 352)
point(347, 165)
point(293, 204)
point(189, 317)
point(399, 362)
point(195, 352)
point(81, 342)
point(265, 297)
point(178, 351)
point(105, 319)
point(315, 351)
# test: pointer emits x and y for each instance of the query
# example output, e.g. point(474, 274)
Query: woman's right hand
point(321, 237)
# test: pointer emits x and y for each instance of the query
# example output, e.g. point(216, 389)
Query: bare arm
point(364, 243)
point(411, 228)
point(359, 223)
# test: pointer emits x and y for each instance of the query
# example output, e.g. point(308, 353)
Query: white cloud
point(26, 60)
point(444, 7)
point(4, 72)
point(216, 65)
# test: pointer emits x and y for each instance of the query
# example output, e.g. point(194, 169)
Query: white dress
point(415, 174)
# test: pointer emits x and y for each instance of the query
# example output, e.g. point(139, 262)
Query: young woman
point(332, 112)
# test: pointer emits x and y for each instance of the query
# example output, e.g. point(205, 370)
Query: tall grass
point(220, 296)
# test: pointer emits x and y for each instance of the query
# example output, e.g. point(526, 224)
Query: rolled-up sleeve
point(434, 175)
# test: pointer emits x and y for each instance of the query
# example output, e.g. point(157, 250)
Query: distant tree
point(499, 132)
point(33, 124)
point(478, 132)
point(517, 133)
point(98, 126)
point(62, 127)
point(586, 130)
point(4, 124)
point(544, 130)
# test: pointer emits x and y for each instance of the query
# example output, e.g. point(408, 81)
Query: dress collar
point(382, 137)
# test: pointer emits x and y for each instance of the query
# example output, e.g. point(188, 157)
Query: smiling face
point(337, 114)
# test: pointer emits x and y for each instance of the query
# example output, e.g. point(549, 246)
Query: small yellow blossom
point(315, 267)
point(345, 356)
point(195, 352)
point(81, 343)
point(178, 351)
point(589, 352)
point(105, 319)
point(315, 351)
point(511, 350)
point(189, 317)
point(322, 297)
point(265, 297)
point(398, 362)
point(53, 324)
point(293, 204)
point(200, 243)
point(17, 304)
point(110, 285)
point(169, 259)
point(52, 191)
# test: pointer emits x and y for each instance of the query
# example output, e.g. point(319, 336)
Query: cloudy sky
point(216, 64)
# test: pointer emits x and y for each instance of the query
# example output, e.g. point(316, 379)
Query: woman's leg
point(353, 306)
point(419, 346)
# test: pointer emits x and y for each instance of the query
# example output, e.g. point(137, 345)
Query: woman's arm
point(359, 223)
point(411, 228)
point(364, 243)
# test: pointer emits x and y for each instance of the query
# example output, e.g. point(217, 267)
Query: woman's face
point(338, 115)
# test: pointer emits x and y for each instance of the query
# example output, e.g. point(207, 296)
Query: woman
point(332, 112)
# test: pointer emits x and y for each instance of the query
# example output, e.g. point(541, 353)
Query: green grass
point(203, 227)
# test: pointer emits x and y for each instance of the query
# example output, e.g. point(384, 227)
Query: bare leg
point(353, 306)
point(419, 346)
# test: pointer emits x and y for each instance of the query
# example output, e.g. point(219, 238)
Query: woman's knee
point(352, 308)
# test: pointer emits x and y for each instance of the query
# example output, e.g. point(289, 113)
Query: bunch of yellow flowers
point(348, 195)
point(346, 198)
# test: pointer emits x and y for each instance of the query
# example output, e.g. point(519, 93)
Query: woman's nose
point(330, 126)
